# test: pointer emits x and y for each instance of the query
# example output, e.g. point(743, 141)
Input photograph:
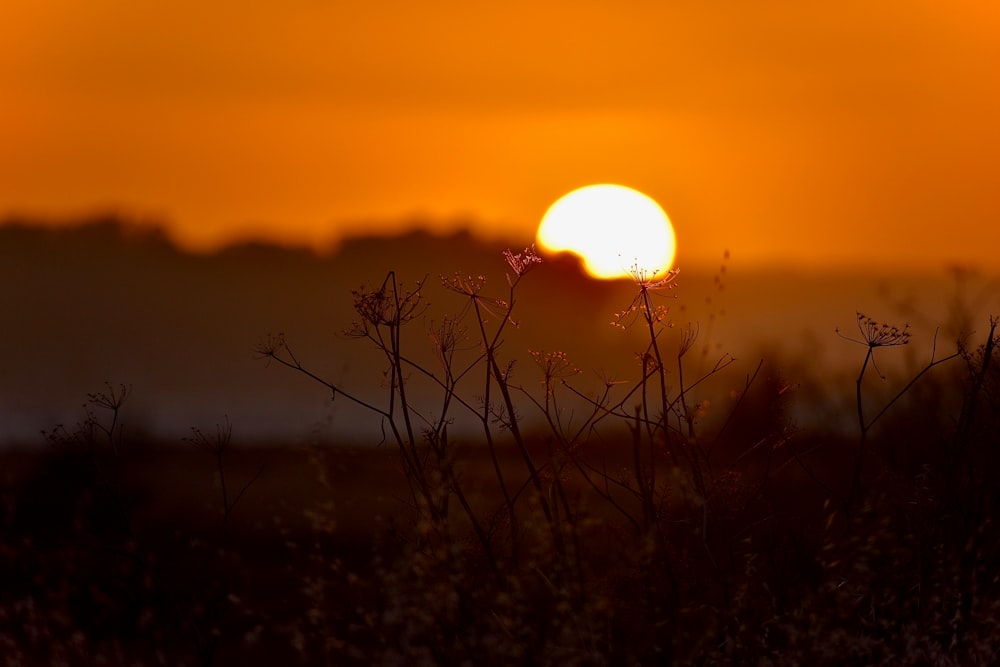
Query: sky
point(794, 133)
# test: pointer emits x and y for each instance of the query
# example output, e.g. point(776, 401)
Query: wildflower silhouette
point(522, 262)
point(642, 302)
point(875, 334)
point(387, 306)
point(555, 366)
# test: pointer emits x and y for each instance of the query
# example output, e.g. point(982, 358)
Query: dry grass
point(650, 522)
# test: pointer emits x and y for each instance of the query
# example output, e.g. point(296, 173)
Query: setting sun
point(614, 229)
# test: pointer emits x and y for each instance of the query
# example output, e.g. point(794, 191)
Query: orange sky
point(808, 133)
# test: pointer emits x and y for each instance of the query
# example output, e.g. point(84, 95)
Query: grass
point(520, 512)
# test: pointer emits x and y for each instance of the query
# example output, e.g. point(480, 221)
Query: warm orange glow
point(815, 135)
point(615, 230)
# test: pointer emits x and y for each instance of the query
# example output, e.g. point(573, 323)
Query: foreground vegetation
point(520, 515)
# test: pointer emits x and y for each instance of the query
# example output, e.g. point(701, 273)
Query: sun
point(615, 230)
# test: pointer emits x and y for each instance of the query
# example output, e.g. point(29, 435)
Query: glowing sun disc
point(614, 229)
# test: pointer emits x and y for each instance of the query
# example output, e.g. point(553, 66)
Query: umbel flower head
point(554, 365)
point(522, 262)
point(647, 279)
point(875, 334)
point(641, 305)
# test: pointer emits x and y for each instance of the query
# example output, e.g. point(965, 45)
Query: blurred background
point(248, 164)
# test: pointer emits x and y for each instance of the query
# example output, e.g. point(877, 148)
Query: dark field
point(133, 554)
point(833, 503)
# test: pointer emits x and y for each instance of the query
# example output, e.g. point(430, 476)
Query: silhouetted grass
point(524, 512)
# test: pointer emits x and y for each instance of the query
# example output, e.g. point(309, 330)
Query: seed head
point(522, 262)
point(466, 285)
point(554, 364)
point(875, 334)
point(645, 278)
point(641, 304)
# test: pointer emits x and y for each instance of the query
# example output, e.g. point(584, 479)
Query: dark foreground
point(312, 555)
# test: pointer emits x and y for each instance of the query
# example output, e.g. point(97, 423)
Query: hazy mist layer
point(85, 306)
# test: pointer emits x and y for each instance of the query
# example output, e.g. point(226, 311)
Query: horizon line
point(158, 227)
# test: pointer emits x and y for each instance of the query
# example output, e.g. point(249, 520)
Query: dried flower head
point(522, 262)
point(110, 400)
point(641, 304)
point(646, 278)
point(389, 305)
point(472, 286)
point(875, 334)
point(553, 364)
point(270, 346)
point(446, 338)
point(465, 285)
point(213, 443)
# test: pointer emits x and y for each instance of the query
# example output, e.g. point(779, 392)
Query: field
point(666, 520)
